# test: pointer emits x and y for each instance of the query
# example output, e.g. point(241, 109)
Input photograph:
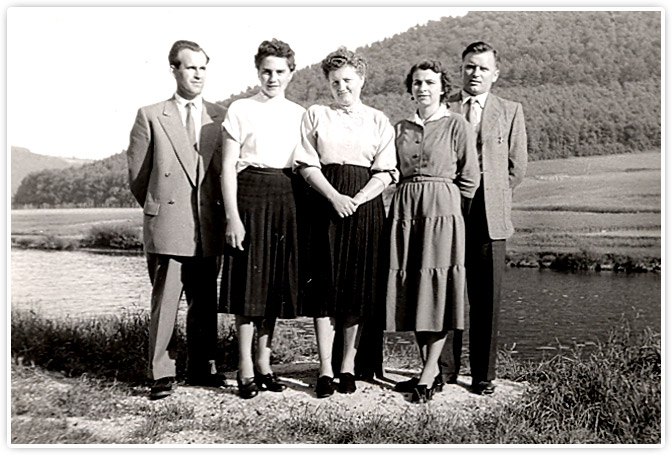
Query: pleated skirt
point(426, 277)
point(343, 254)
point(262, 280)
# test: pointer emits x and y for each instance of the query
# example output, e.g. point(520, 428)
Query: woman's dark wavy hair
point(341, 57)
point(275, 48)
point(434, 66)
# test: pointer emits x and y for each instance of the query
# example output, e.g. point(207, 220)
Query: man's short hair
point(183, 44)
point(480, 47)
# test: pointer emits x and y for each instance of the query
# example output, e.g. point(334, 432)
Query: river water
point(543, 311)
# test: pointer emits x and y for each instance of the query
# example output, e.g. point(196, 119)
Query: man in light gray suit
point(174, 164)
point(502, 151)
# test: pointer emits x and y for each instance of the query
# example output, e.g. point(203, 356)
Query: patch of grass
point(51, 431)
point(118, 236)
point(110, 347)
point(585, 259)
point(46, 242)
point(167, 417)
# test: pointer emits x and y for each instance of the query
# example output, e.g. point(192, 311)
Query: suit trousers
point(170, 276)
point(485, 262)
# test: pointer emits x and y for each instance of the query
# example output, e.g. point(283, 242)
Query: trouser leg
point(164, 273)
point(450, 360)
point(199, 276)
point(484, 278)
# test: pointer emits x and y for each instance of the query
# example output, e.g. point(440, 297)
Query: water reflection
point(542, 311)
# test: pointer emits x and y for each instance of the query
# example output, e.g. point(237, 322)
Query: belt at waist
point(425, 178)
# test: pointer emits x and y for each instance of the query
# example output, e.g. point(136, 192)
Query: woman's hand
point(343, 205)
point(235, 233)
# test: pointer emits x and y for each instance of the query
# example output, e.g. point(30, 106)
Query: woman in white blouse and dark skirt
point(347, 155)
point(260, 267)
point(437, 156)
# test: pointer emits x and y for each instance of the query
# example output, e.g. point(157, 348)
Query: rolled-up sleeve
point(305, 153)
point(232, 124)
point(385, 159)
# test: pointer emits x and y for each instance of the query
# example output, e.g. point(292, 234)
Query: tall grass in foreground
point(116, 347)
point(107, 347)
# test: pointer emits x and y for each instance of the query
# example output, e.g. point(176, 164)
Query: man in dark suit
point(174, 164)
point(502, 152)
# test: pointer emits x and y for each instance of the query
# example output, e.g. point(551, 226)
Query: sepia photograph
point(335, 227)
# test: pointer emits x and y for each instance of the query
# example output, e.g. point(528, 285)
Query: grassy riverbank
point(75, 381)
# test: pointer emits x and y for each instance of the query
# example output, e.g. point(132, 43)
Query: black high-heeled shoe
point(247, 389)
point(422, 394)
point(269, 382)
point(409, 385)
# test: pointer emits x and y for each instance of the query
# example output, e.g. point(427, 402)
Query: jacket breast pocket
point(151, 208)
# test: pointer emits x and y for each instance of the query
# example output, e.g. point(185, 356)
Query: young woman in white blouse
point(347, 155)
point(260, 267)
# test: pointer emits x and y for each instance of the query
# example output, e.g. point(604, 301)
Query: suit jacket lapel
point(177, 134)
point(209, 133)
point(491, 112)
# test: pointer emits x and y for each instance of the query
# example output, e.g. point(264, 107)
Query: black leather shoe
point(437, 385)
point(325, 387)
point(247, 388)
point(483, 388)
point(452, 379)
point(161, 388)
point(346, 383)
point(269, 382)
point(207, 380)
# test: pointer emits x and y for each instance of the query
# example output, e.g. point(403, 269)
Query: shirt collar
point(356, 108)
point(480, 99)
point(264, 98)
point(441, 112)
point(182, 102)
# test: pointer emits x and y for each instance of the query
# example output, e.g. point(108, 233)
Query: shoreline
point(580, 260)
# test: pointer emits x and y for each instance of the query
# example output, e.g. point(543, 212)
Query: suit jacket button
point(167, 174)
point(171, 202)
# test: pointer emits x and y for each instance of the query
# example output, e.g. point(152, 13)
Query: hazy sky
point(76, 76)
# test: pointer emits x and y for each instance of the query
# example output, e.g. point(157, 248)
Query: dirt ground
point(377, 398)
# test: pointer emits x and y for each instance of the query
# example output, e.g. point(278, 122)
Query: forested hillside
point(589, 82)
point(24, 162)
point(103, 183)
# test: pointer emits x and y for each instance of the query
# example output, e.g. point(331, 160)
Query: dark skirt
point(262, 280)
point(342, 254)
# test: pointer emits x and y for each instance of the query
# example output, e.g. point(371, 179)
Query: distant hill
point(24, 162)
point(578, 74)
point(100, 183)
point(589, 83)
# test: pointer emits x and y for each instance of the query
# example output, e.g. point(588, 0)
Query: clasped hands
point(346, 205)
